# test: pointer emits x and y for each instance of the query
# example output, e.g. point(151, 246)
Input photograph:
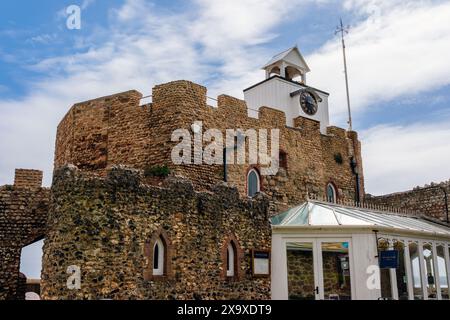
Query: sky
point(397, 60)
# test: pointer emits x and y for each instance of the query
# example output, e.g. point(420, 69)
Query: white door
point(335, 269)
point(319, 269)
point(302, 269)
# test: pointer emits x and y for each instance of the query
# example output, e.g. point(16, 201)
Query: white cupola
point(288, 64)
point(285, 89)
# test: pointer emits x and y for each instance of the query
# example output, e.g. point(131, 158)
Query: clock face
point(308, 103)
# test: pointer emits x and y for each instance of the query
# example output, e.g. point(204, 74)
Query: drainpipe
point(354, 166)
point(446, 202)
point(225, 173)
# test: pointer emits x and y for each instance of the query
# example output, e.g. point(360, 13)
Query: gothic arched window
point(331, 193)
point(158, 257)
point(157, 252)
point(231, 256)
point(253, 183)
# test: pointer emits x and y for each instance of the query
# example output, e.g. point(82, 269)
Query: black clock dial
point(308, 103)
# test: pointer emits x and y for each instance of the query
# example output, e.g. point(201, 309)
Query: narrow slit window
point(230, 260)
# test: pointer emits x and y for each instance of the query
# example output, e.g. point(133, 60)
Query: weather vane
point(343, 31)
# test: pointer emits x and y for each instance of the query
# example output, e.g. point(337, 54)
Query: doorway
point(319, 269)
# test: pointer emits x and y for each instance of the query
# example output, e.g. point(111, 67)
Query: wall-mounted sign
point(261, 263)
point(389, 259)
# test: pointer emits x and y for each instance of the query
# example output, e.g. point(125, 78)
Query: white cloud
point(398, 49)
point(220, 44)
point(87, 3)
point(143, 47)
point(398, 158)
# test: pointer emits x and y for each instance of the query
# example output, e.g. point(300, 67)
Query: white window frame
point(317, 242)
point(258, 179)
point(161, 254)
point(410, 281)
point(334, 192)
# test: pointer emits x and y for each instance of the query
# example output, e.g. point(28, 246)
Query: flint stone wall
point(23, 214)
point(425, 201)
point(103, 224)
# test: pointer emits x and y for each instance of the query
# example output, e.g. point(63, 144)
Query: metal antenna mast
point(343, 31)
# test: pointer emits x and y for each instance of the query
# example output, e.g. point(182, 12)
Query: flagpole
point(344, 30)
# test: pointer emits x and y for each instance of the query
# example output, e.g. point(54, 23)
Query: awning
point(321, 214)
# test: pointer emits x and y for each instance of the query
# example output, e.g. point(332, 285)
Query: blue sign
point(389, 259)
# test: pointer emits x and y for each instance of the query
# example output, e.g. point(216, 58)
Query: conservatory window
point(442, 267)
point(416, 270)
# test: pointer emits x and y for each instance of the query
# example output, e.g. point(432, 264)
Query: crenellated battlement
point(117, 130)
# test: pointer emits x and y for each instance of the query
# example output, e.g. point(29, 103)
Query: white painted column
point(422, 271)
point(393, 276)
point(437, 280)
point(447, 263)
point(279, 277)
point(364, 252)
point(409, 275)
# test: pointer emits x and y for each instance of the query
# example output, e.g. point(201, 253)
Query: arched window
point(231, 253)
point(157, 252)
point(231, 257)
point(331, 193)
point(274, 71)
point(253, 183)
point(158, 257)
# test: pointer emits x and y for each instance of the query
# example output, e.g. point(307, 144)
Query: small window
point(283, 160)
point(253, 183)
point(158, 258)
point(331, 193)
point(230, 260)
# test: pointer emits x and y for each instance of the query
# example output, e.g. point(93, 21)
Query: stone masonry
point(103, 225)
point(23, 215)
point(115, 130)
point(429, 200)
point(104, 213)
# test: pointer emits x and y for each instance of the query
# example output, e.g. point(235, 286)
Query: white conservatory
point(327, 251)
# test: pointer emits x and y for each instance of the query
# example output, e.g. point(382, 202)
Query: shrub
point(157, 171)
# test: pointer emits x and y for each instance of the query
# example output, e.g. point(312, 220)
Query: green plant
point(338, 158)
point(157, 171)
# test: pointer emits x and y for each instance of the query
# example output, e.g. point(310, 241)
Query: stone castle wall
point(428, 200)
point(23, 216)
point(115, 130)
point(105, 224)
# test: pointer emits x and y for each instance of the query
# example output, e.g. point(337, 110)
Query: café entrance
point(319, 269)
point(326, 251)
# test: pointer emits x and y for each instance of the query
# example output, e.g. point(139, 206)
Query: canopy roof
point(321, 214)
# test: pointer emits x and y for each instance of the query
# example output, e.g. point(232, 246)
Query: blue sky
point(398, 64)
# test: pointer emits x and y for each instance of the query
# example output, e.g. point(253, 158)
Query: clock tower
point(285, 89)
